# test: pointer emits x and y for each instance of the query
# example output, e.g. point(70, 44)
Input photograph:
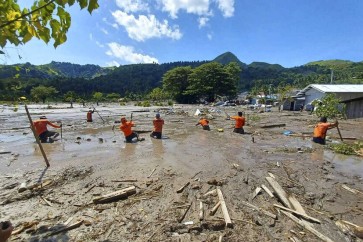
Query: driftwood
point(215, 208)
point(70, 227)
point(307, 227)
point(259, 209)
point(267, 190)
point(226, 216)
point(183, 187)
point(272, 126)
point(124, 193)
point(185, 213)
point(281, 194)
point(299, 214)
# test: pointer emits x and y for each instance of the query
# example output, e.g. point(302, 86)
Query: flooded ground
point(100, 162)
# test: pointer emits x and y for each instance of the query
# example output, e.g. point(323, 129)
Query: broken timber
point(183, 187)
point(70, 227)
point(259, 209)
point(214, 209)
point(124, 193)
point(272, 126)
point(281, 194)
point(299, 214)
point(257, 191)
point(267, 190)
point(226, 216)
point(307, 227)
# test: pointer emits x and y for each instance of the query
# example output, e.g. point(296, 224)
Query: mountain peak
point(227, 58)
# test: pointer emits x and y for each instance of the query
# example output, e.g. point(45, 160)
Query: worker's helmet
point(43, 117)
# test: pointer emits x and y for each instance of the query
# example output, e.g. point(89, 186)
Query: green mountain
point(228, 57)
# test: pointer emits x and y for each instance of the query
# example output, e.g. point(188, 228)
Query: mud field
point(175, 176)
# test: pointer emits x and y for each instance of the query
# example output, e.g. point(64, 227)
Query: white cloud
point(127, 54)
point(209, 36)
point(203, 21)
point(90, 36)
point(227, 7)
point(132, 5)
point(111, 24)
point(112, 63)
point(104, 31)
point(145, 27)
point(99, 44)
point(198, 7)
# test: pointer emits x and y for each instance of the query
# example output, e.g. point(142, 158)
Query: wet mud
point(171, 176)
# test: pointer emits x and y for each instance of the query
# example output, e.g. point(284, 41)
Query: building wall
point(313, 94)
point(348, 96)
point(354, 109)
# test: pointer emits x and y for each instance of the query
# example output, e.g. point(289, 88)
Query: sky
point(286, 32)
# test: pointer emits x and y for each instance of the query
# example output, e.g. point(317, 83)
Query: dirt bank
point(99, 162)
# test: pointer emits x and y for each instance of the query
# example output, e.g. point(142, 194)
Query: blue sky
point(285, 32)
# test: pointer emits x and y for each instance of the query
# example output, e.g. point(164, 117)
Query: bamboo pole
point(36, 137)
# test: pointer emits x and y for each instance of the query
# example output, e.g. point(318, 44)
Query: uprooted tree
point(45, 20)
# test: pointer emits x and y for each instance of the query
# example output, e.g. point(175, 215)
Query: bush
point(347, 149)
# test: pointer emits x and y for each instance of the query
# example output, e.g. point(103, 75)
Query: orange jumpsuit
point(41, 126)
point(158, 128)
point(320, 132)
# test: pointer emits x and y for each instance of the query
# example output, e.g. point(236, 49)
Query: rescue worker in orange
point(158, 127)
point(41, 130)
point(89, 115)
point(321, 129)
point(126, 128)
point(204, 122)
point(240, 122)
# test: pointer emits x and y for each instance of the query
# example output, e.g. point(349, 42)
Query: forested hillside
point(141, 79)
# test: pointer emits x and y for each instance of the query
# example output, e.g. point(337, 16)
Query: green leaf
point(44, 34)
point(93, 4)
point(71, 2)
point(27, 37)
point(83, 3)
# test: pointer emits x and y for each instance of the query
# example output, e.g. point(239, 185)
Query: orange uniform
point(89, 116)
point(321, 129)
point(41, 126)
point(158, 124)
point(203, 122)
point(240, 121)
point(126, 128)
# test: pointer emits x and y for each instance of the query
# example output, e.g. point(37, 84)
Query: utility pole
point(331, 76)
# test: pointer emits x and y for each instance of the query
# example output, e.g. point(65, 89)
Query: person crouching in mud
point(158, 127)
point(204, 122)
point(43, 133)
point(126, 128)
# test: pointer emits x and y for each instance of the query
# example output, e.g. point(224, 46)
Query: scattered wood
point(226, 216)
point(142, 131)
point(183, 187)
point(281, 194)
point(5, 152)
point(257, 191)
point(23, 187)
point(210, 193)
point(271, 175)
point(46, 201)
point(296, 204)
point(307, 227)
point(68, 221)
point(267, 190)
point(89, 189)
point(201, 212)
point(272, 126)
point(24, 226)
point(352, 228)
point(124, 193)
point(259, 209)
point(185, 213)
point(215, 208)
point(294, 239)
point(125, 180)
point(352, 190)
point(70, 227)
point(196, 174)
point(299, 214)
point(151, 173)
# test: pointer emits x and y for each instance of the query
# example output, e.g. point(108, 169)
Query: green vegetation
point(42, 93)
point(45, 20)
point(329, 107)
point(347, 149)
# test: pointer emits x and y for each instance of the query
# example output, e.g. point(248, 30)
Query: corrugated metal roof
point(335, 88)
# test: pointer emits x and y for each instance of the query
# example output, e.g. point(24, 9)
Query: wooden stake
point(299, 214)
point(226, 216)
point(281, 194)
point(36, 136)
point(307, 227)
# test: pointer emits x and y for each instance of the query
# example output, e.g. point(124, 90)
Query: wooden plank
point(183, 187)
point(307, 227)
point(281, 194)
point(215, 208)
point(257, 191)
point(299, 214)
point(272, 126)
point(259, 209)
point(296, 204)
point(124, 193)
point(226, 216)
point(267, 190)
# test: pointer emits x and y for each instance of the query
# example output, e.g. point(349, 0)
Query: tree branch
point(25, 15)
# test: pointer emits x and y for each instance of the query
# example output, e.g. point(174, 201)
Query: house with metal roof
point(350, 94)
